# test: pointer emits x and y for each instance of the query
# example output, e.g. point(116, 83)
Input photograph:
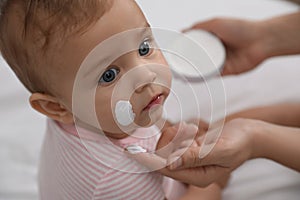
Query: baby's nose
point(143, 77)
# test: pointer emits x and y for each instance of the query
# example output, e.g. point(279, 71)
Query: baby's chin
point(154, 116)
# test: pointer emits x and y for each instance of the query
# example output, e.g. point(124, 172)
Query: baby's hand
point(176, 137)
point(180, 135)
point(202, 126)
point(173, 138)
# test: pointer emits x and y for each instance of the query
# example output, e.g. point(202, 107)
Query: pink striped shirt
point(93, 167)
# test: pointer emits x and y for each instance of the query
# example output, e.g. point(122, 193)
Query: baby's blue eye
point(109, 75)
point(145, 48)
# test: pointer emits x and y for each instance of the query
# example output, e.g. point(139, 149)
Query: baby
point(94, 70)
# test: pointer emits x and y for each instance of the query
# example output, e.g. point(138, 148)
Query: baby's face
point(115, 60)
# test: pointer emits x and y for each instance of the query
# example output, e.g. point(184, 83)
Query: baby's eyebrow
point(101, 62)
point(147, 25)
point(146, 28)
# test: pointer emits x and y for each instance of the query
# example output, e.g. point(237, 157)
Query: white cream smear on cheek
point(124, 113)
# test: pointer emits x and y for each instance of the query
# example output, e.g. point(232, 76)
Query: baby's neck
point(122, 135)
point(96, 130)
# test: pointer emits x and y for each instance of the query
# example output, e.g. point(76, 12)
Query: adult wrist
point(254, 131)
point(267, 42)
point(258, 131)
point(280, 35)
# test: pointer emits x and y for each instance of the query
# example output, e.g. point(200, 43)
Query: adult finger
point(198, 176)
point(208, 25)
point(189, 158)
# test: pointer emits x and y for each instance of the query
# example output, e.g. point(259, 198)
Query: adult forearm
point(286, 114)
point(278, 143)
point(281, 35)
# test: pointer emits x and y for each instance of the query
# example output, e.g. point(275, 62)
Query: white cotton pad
point(198, 54)
point(124, 113)
point(134, 149)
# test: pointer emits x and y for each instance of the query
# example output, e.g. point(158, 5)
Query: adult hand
point(248, 43)
point(234, 146)
point(243, 41)
point(240, 140)
point(243, 139)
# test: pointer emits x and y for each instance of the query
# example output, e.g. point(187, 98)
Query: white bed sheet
point(276, 80)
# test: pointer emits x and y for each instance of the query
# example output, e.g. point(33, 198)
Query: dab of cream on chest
point(135, 149)
point(124, 113)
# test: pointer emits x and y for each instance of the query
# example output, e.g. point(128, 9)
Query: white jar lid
point(197, 55)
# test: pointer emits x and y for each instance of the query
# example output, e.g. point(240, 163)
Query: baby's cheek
point(105, 116)
point(167, 76)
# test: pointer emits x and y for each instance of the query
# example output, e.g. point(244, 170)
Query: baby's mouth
point(156, 100)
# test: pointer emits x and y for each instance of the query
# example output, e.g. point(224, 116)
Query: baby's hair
point(29, 28)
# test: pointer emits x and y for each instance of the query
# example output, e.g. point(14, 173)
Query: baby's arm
point(287, 114)
point(211, 192)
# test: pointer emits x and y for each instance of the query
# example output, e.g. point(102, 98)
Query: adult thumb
point(208, 25)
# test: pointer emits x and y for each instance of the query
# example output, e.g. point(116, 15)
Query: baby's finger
point(185, 132)
point(187, 144)
point(149, 160)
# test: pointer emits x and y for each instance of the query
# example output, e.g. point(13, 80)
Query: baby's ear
point(51, 107)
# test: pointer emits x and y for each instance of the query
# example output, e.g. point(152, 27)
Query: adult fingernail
point(176, 164)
